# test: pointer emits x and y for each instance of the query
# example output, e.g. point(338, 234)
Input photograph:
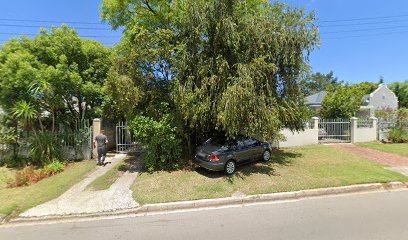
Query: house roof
point(316, 99)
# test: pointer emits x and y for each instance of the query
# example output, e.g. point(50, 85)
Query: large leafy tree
point(344, 101)
point(317, 82)
point(401, 90)
point(226, 66)
point(56, 72)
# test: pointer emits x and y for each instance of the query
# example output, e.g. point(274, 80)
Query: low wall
point(297, 139)
point(365, 135)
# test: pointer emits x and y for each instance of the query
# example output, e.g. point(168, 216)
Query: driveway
point(80, 200)
point(394, 162)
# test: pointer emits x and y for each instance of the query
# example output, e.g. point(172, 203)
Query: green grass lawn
point(105, 181)
point(397, 148)
point(5, 174)
point(290, 170)
point(16, 200)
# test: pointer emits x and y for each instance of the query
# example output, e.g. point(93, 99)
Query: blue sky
point(356, 50)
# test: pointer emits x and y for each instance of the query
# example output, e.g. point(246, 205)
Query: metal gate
point(125, 139)
point(334, 131)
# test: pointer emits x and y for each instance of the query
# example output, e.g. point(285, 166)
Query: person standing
point(100, 143)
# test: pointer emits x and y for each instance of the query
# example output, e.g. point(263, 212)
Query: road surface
point(378, 215)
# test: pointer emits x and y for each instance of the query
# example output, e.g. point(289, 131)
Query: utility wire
point(48, 21)
point(365, 18)
point(365, 29)
point(360, 24)
point(32, 34)
point(40, 26)
point(385, 34)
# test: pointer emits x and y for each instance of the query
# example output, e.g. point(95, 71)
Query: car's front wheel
point(230, 167)
point(266, 156)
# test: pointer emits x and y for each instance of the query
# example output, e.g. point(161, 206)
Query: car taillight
point(214, 157)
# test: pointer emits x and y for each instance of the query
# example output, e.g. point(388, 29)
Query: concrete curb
point(271, 197)
point(229, 201)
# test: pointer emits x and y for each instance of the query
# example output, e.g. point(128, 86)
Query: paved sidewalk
point(80, 200)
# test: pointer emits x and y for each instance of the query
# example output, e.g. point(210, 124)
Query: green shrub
point(53, 168)
point(44, 148)
point(163, 147)
point(398, 135)
point(14, 161)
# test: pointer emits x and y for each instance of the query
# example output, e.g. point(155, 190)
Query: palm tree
point(25, 113)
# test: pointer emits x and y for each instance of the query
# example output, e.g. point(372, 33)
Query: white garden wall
point(297, 139)
point(365, 135)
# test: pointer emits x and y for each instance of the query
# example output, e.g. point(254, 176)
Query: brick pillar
point(96, 129)
point(353, 129)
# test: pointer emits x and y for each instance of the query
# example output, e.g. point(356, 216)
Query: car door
point(241, 152)
point(253, 149)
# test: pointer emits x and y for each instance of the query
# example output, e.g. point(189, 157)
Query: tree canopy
point(56, 72)
point(225, 66)
point(318, 82)
point(401, 90)
point(343, 101)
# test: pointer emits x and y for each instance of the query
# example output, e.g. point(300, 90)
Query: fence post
point(96, 129)
point(315, 122)
point(353, 129)
point(375, 125)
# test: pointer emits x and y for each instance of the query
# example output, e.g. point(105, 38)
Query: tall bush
point(163, 147)
point(398, 135)
point(44, 148)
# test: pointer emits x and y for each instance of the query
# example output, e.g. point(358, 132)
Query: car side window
point(240, 144)
point(250, 142)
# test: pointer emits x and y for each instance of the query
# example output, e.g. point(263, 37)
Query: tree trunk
point(190, 150)
point(53, 121)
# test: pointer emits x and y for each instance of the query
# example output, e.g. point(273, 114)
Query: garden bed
point(16, 200)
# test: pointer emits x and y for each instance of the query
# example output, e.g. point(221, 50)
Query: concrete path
point(80, 200)
point(395, 162)
point(373, 216)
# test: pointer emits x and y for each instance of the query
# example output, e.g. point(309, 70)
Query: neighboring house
point(381, 98)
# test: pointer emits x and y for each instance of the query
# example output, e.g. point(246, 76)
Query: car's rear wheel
point(230, 167)
point(266, 156)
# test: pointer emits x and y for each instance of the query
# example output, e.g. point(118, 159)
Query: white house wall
point(383, 98)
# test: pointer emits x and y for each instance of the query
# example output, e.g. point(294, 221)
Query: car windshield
point(216, 141)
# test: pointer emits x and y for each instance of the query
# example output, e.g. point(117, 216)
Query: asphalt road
point(379, 215)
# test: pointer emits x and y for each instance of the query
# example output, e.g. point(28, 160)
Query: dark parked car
point(218, 154)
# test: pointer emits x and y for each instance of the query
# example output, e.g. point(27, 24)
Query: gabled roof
point(316, 99)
